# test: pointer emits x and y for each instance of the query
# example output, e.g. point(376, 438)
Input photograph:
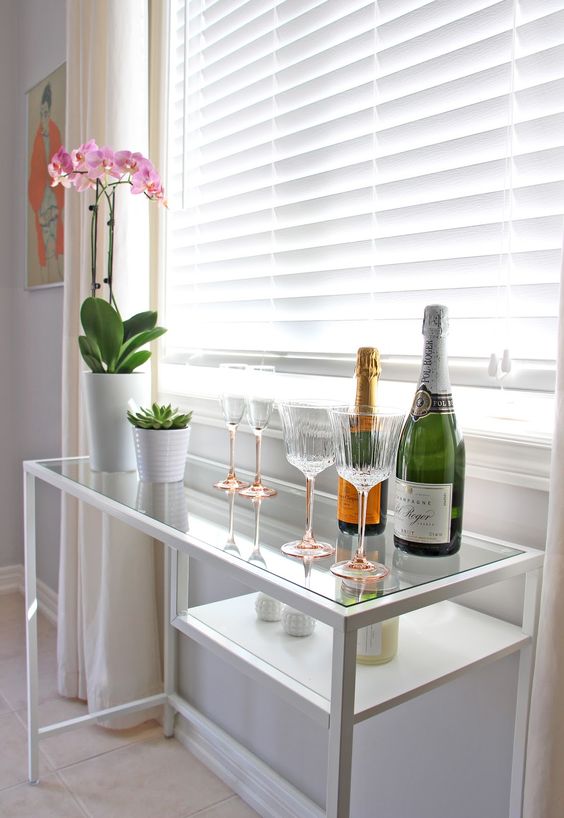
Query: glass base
point(308, 549)
point(360, 569)
point(231, 483)
point(257, 491)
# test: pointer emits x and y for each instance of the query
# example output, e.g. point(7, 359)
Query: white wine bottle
point(367, 372)
point(431, 456)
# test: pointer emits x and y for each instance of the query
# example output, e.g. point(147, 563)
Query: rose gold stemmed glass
point(366, 442)
point(259, 404)
point(233, 406)
point(310, 448)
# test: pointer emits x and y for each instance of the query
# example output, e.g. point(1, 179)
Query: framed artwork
point(44, 204)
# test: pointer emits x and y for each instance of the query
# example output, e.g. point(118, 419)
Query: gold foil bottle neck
point(368, 362)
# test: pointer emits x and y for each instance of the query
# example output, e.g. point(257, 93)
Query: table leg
point(31, 629)
point(339, 764)
point(169, 651)
point(526, 662)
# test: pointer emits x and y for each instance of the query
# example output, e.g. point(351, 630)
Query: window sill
point(508, 434)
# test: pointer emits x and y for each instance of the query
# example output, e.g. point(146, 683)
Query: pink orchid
point(79, 155)
point(147, 181)
point(60, 167)
point(129, 162)
point(83, 182)
point(102, 162)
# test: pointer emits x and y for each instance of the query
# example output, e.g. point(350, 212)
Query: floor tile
point(12, 607)
point(13, 753)
point(13, 638)
point(83, 742)
point(48, 799)
point(13, 679)
point(232, 808)
point(146, 779)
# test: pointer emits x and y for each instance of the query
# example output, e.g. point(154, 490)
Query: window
point(334, 166)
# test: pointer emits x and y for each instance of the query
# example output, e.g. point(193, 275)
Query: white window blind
point(334, 166)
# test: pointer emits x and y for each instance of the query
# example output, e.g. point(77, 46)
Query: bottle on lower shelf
point(376, 644)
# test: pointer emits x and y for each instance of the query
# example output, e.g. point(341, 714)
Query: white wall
point(10, 479)
point(32, 44)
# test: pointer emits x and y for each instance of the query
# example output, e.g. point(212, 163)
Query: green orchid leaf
point(133, 361)
point(141, 322)
point(138, 341)
point(90, 354)
point(93, 363)
point(103, 327)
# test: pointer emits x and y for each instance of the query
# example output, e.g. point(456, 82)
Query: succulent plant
point(159, 416)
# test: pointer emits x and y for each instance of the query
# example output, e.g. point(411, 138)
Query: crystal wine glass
point(259, 403)
point(309, 447)
point(232, 399)
point(366, 441)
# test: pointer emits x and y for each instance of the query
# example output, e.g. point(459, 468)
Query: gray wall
point(10, 479)
point(32, 44)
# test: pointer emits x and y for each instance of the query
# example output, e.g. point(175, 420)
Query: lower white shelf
point(436, 644)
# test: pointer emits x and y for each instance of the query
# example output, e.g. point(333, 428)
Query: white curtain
point(544, 778)
point(108, 638)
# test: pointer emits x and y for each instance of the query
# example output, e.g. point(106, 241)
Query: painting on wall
point(45, 204)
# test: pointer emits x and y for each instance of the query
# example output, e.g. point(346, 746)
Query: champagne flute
point(232, 399)
point(310, 448)
point(366, 442)
point(259, 403)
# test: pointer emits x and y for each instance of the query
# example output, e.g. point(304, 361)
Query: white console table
point(439, 638)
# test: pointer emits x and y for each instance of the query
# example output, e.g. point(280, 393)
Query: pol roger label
point(426, 403)
point(423, 512)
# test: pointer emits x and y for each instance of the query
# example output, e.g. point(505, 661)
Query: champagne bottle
point(367, 372)
point(431, 456)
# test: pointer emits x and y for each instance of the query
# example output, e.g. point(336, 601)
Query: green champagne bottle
point(431, 456)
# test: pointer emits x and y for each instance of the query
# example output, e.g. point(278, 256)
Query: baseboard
point(12, 579)
point(253, 780)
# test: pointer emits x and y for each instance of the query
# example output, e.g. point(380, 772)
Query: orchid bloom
point(79, 155)
point(60, 167)
point(102, 162)
point(147, 181)
point(129, 162)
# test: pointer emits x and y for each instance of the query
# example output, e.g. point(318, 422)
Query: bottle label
point(423, 512)
point(369, 641)
point(347, 503)
point(427, 403)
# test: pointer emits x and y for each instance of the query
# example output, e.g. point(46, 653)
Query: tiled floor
point(92, 772)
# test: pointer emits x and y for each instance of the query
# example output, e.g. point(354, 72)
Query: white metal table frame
point(345, 623)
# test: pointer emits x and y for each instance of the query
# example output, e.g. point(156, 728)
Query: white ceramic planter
point(109, 431)
point(161, 454)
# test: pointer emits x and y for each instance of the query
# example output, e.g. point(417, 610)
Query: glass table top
point(254, 531)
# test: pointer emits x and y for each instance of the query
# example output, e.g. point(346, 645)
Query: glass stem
point(362, 505)
point(257, 503)
point(310, 486)
point(258, 442)
point(231, 534)
point(307, 572)
point(232, 430)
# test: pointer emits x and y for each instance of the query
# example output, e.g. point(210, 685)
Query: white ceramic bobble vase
point(296, 623)
point(267, 608)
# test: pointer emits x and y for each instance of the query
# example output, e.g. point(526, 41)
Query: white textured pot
point(109, 431)
point(161, 454)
